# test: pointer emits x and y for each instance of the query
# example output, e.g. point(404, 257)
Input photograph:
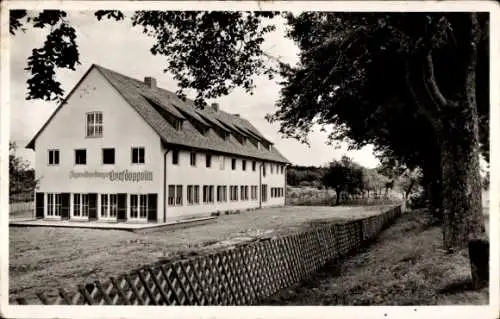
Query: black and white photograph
point(264, 154)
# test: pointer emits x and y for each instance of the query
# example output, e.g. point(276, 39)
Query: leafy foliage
point(211, 52)
point(21, 177)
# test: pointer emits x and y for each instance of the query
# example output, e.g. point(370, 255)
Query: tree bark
point(463, 218)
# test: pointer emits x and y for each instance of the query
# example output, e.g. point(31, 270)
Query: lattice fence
point(239, 276)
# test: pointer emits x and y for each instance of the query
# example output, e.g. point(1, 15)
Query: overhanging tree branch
point(420, 107)
point(431, 83)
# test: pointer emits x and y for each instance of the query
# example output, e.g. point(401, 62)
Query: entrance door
point(40, 206)
point(152, 207)
point(92, 206)
point(65, 205)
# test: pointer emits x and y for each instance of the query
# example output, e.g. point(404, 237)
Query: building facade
point(123, 150)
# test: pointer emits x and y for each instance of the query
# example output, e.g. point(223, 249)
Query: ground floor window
point(196, 194)
point(244, 192)
point(80, 205)
point(190, 194)
point(138, 206)
point(178, 195)
point(171, 195)
point(53, 204)
point(264, 193)
point(109, 205)
point(253, 192)
point(221, 193)
point(208, 193)
point(233, 190)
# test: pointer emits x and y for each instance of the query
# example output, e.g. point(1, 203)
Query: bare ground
point(405, 266)
point(42, 258)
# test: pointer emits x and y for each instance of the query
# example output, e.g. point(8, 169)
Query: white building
point(119, 149)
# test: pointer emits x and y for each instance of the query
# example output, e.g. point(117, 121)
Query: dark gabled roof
point(142, 98)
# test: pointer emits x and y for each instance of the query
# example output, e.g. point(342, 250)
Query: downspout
point(285, 192)
point(260, 186)
point(165, 185)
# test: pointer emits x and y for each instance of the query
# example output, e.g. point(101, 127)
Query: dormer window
point(94, 124)
point(259, 145)
point(177, 123)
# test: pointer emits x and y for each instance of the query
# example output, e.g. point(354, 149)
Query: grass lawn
point(405, 266)
point(41, 258)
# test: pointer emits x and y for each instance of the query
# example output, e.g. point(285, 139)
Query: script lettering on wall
point(114, 176)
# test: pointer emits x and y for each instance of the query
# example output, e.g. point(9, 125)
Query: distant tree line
point(349, 179)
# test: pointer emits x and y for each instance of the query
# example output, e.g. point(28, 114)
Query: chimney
point(150, 82)
point(215, 106)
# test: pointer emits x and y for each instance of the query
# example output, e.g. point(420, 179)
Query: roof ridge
point(165, 90)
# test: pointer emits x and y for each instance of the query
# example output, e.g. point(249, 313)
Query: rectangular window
point(138, 154)
point(81, 157)
point(264, 169)
point(264, 193)
point(233, 164)
point(171, 195)
point(175, 157)
point(85, 205)
point(143, 206)
point(254, 165)
point(113, 205)
point(76, 205)
point(211, 194)
point(219, 193)
point(242, 192)
point(205, 193)
point(138, 206)
point(272, 168)
point(104, 206)
point(246, 192)
point(244, 165)
point(282, 169)
point(108, 155)
point(80, 205)
point(134, 206)
point(190, 197)
point(196, 194)
point(253, 192)
point(193, 158)
point(53, 157)
point(221, 162)
point(109, 205)
point(94, 124)
point(178, 195)
point(53, 204)
point(208, 160)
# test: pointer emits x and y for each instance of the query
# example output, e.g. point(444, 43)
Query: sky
point(125, 49)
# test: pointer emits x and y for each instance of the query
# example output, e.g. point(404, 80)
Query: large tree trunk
point(459, 136)
point(462, 212)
